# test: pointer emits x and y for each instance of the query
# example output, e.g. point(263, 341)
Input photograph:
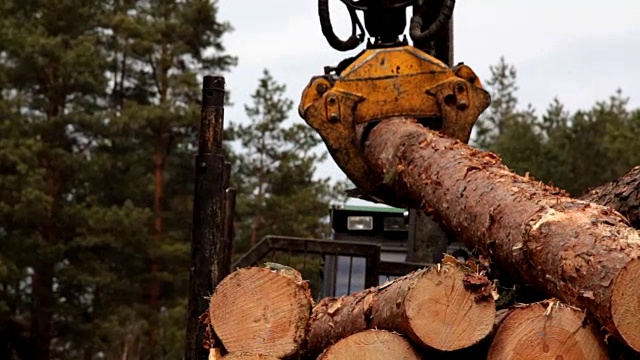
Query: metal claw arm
point(386, 83)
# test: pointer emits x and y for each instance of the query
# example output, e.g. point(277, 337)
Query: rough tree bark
point(580, 252)
point(371, 344)
point(248, 356)
point(622, 194)
point(443, 309)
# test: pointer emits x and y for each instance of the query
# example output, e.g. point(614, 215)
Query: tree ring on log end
point(625, 303)
point(546, 331)
point(371, 345)
point(260, 311)
point(446, 316)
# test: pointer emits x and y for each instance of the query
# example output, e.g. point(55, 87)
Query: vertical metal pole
point(371, 269)
point(229, 209)
point(207, 252)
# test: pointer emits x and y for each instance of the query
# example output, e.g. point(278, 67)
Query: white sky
point(580, 51)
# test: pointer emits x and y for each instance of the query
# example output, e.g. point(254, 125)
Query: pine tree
point(503, 108)
point(505, 129)
point(99, 112)
point(274, 171)
point(57, 236)
point(592, 151)
point(158, 51)
point(572, 151)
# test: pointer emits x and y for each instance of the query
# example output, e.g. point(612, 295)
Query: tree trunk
point(41, 311)
point(155, 290)
point(159, 159)
point(439, 308)
point(371, 344)
point(622, 194)
point(547, 330)
point(580, 252)
point(248, 356)
point(262, 310)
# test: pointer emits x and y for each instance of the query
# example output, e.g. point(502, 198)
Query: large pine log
point(580, 252)
point(441, 308)
point(262, 310)
point(546, 330)
point(247, 356)
point(371, 345)
point(622, 194)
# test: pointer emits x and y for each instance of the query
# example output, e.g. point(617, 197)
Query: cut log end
point(371, 345)
point(546, 331)
point(625, 304)
point(248, 356)
point(260, 310)
point(447, 316)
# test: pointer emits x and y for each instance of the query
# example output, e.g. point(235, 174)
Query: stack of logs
point(581, 255)
point(443, 312)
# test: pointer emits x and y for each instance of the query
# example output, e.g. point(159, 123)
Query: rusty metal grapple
point(387, 82)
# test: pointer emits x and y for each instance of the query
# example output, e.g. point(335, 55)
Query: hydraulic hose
point(415, 29)
point(327, 29)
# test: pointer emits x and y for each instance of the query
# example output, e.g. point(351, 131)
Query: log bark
point(248, 356)
point(622, 194)
point(371, 345)
point(580, 252)
point(262, 310)
point(440, 308)
point(547, 330)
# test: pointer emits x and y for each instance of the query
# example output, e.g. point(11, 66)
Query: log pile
point(446, 311)
point(582, 255)
point(267, 312)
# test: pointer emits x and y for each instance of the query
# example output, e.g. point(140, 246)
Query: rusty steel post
point(208, 253)
point(228, 211)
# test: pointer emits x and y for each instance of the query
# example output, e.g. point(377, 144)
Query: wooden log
point(440, 308)
point(215, 354)
point(248, 356)
point(580, 252)
point(371, 345)
point(547, 330)
point(262, 310)
point(622, 194)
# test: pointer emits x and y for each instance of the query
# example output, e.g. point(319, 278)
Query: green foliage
point(98, 116)
point(572, 151)
point(274, 171)
point(99, 109)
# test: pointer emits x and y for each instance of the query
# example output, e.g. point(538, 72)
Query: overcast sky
point(580, 51)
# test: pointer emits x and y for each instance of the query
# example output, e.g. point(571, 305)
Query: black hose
point(327, 29)
point(415, 29)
